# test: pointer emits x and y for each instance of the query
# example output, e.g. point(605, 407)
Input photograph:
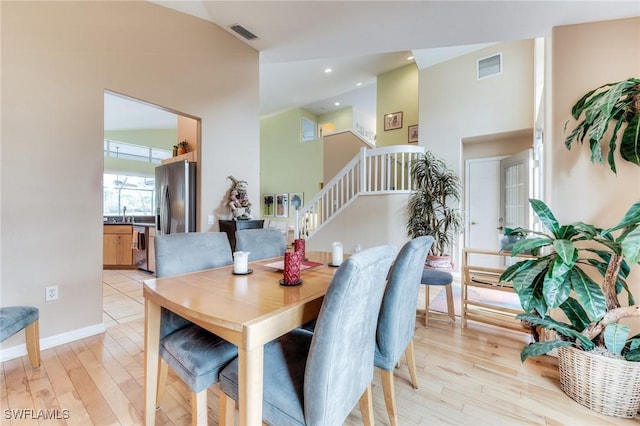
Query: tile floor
point(122, 295)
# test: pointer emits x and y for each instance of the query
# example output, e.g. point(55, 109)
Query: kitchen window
point(136, 193)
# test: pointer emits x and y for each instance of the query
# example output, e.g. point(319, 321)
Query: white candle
point(240, 262)
point(336, 253)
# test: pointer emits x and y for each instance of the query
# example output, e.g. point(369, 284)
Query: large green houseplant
point(596, 353)
point(432, 206)
point(560, 279)
point(615, 105)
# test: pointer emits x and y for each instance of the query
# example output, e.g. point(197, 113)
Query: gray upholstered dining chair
point(194, 354)
point(261, 243)
point(16, 318)
point(318, 378)
point(397, 320)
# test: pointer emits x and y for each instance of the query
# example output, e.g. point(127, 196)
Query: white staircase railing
point(372, 171)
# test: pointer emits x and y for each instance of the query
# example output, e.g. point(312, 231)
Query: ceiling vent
point(489, 66)
point(243, 32)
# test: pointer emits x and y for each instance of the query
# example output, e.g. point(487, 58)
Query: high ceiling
point(298, 40)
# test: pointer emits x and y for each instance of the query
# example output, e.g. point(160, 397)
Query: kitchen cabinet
point(116, 246)
point(231, 226)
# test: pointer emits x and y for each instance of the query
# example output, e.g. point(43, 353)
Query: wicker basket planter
point(606, 385)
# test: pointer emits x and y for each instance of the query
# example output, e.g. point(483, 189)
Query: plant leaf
point(633, 355)
point(631, 246)
point(632, 217)
point(588, 293)
point(630, 143)
point(528, 244)
point(544, 214)
point(541, 348)
point(562, 328)
point(566, 251)
point(557, 286)
point(615, 337)
point(575, 313)
point(518, 267)
point(528, 285)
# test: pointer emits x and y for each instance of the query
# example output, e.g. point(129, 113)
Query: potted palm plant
point(597, 357)
point(613, 104)
point(430, 207)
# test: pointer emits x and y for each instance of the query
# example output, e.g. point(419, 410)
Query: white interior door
point(483, 208)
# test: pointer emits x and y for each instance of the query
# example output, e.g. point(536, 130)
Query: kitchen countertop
point(131, 223)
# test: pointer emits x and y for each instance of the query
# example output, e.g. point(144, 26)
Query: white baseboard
point(49, 342)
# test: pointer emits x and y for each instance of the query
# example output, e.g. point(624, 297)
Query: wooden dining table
point(247, 310)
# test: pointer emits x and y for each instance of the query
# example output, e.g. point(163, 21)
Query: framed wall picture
point(413, 133)
point(282, 205)
point(393, 121)
point(295, 198)
point(269, 207)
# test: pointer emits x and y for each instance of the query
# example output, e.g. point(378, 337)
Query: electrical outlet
point(210, 219)
point(50, 293)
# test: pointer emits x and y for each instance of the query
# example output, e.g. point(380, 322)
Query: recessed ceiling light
point(359, 84)
point(336, 103)
point(328, 70)
point(409, 58)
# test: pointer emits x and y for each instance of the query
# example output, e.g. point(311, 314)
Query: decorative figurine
point(239, 200)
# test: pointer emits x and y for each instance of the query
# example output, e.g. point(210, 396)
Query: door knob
point(473, 222)
point(500, 228)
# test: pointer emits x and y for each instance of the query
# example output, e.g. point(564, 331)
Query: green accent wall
point(343, 119)
point(286, 164)
point(397, 92)
point(155, 138)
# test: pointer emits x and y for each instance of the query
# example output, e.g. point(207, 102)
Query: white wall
point(455, 105)
point(57, 60)
point(371, 220)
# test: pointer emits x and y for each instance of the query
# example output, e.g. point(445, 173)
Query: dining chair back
point(397, 319)
point(188, 252)
point(318, 378)
point(261, 243)
point(193, 353)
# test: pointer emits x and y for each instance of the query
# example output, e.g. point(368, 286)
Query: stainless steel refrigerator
point(176, 198)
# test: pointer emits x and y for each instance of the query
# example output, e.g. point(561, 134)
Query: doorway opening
point(501, 174)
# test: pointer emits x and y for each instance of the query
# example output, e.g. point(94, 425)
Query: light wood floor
point(470, 376)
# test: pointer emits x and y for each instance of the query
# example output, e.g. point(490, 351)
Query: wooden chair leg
point(411, 363)
point(199, 408)
point(226, 416)
point(388, 389)
point(426, 305)
point(32, 335)
point(366, 407)
point(163, 372)
point(450, 306)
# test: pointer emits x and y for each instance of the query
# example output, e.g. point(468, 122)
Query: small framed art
point(282, 205)
point(296, 199)
point(269, 199)
point(393, 121)
point(413, 133)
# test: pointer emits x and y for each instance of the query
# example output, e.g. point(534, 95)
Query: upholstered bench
point(437, 277)
point(15, 318)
